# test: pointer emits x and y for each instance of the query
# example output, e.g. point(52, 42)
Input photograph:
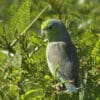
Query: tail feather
point(70, 87)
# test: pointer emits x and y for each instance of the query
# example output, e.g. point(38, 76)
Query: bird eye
point(50, 27)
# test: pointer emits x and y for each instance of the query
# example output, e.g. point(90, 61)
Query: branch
point(16, 40)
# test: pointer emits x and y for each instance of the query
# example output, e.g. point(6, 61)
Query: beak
point(43, 32)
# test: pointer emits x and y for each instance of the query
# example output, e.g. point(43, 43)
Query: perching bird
point(61, 54)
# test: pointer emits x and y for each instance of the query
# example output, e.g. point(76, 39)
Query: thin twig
point(16, 40)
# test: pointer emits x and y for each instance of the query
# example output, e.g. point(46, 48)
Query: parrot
point(61, 54)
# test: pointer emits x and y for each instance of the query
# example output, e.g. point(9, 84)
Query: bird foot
point(59, 87)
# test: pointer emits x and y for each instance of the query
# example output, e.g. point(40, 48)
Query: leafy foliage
point(23, 68)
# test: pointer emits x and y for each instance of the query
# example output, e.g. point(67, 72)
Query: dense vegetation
point(24, 73)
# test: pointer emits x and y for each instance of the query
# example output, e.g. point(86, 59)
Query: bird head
point(54, 30)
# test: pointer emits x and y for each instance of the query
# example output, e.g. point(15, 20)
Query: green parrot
point(61, 54)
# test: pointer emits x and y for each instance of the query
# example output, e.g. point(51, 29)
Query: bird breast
point(57, 58)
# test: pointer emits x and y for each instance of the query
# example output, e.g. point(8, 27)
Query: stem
point(33, 21)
